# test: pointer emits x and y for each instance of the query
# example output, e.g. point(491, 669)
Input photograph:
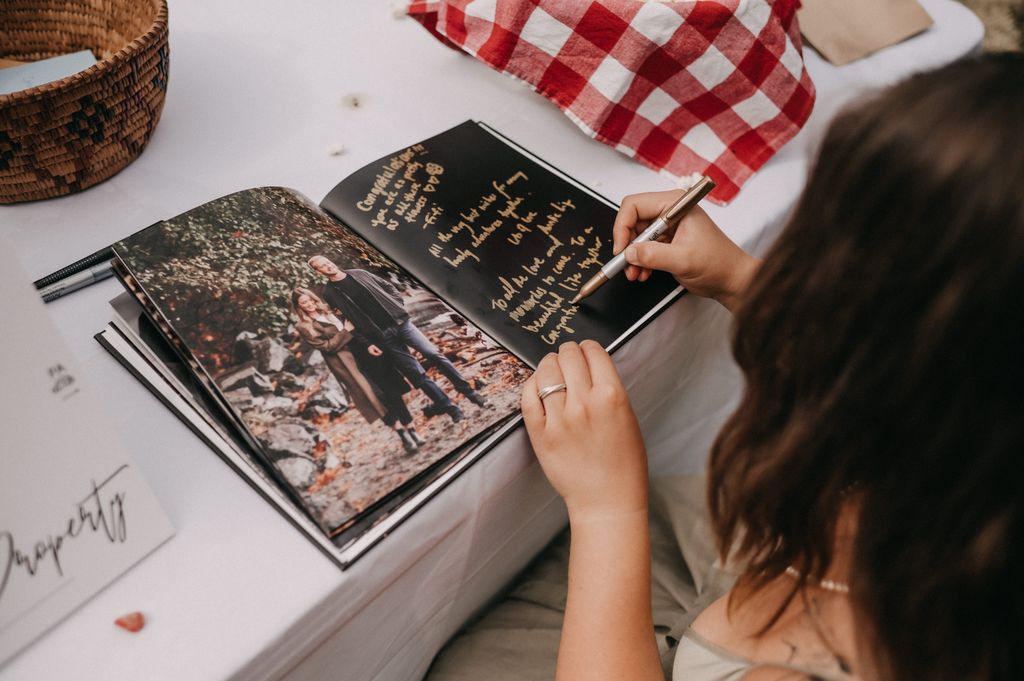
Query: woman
point(865, 490)
point(376, 387)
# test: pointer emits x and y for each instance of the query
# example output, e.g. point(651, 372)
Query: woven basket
point(67, 135)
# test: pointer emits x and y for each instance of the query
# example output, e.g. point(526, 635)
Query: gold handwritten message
point(401, 191)
point(545, 257)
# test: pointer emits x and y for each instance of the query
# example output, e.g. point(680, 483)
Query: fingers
point(635, 214)
point(644, 273)
point(655, 255)
point(549, 373)
point(602, 369)
point(639, 208)
point(533, 409)
point(575, 371)
point(625, 225)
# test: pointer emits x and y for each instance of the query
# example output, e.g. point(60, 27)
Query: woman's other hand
point(374, 351)
point(348, 326)
point(587, 438)
point(699, 255)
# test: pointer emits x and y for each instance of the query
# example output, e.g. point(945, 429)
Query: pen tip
point(575, 299)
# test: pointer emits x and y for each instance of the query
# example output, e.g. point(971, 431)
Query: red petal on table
point(132, 622)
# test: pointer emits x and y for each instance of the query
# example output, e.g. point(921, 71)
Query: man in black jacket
point(374, 307)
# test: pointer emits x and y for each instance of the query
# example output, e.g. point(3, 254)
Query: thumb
point(654, 255)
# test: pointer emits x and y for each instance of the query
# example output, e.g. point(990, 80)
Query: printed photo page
point(350, 377)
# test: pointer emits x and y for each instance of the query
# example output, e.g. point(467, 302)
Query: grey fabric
point(517, 639)
point(702, 660)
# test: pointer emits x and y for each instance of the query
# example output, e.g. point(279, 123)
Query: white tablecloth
point(257, 96)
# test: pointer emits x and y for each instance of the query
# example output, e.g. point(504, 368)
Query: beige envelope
point(845, 30)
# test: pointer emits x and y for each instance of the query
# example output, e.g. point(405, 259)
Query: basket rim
point(97, 70)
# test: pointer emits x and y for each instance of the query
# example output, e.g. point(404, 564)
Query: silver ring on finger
point(550, 390)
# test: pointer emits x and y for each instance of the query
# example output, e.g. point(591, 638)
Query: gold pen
point(668, 218)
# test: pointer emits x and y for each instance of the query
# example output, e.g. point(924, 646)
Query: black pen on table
point(79, 274)
point(668, 218)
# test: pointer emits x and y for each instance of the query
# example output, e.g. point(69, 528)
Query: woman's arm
point(331, 342)
point(700, 256)
point(589, 445)
point(608, 632)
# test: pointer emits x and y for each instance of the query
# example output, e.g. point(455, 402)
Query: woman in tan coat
point(376, 387)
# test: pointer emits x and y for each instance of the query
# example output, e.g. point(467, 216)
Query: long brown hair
point(882, 346)
point(299, 313)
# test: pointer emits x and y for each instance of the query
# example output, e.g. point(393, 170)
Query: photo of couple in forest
point(368, 340)
point(351, 377)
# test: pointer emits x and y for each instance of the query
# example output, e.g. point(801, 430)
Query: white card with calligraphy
point(75, 512)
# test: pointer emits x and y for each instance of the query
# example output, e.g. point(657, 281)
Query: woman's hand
point(374, 351)
point(589, 444)
point(348, 326)
point(700, 256)
point(587, 438)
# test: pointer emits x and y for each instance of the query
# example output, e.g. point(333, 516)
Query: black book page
point(503, 239)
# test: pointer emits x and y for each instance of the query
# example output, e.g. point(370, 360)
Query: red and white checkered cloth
point(700, 86)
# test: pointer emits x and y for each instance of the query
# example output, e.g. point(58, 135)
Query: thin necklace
point(826, 584)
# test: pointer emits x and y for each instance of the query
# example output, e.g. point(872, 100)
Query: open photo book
point(350, 359)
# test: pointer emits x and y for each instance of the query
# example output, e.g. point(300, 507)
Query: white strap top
point(698, 659)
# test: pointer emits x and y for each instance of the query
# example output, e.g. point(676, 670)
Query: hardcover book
point(350, 358)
